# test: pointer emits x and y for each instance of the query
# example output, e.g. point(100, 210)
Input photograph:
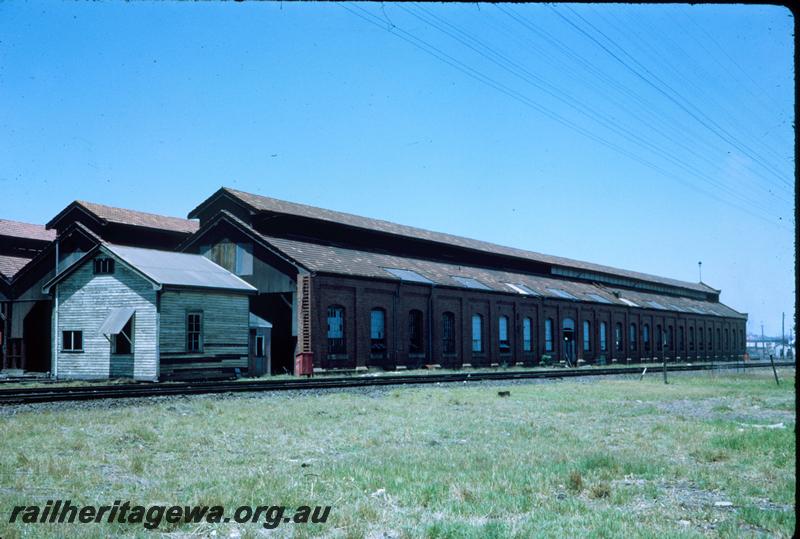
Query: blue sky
point(643, 137)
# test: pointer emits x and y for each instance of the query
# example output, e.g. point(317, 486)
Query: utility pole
point(783, 335)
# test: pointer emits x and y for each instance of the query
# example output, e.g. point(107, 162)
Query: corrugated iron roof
point(342, 261)
point(263, 203)
point(18, 229)
point(179, 269)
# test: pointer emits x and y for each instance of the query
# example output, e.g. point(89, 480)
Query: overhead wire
point(665, 89)
point(564, 96)
point(504, 89)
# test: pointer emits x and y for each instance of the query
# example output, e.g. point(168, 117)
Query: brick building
point(358, 292)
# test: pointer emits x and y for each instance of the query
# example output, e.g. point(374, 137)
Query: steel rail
point(153, 389)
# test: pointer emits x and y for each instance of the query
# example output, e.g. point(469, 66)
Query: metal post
point(664, 357)
point(775, 372)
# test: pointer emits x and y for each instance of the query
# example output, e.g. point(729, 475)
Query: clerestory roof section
point(577, 268)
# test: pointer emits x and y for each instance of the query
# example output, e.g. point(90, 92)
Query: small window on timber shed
point(336, 337)
point(194, 331)
point(122, 342)
point(72, 341)
point(103, 266)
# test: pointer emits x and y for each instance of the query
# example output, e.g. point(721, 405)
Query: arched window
point(415, 332)
point(710, 340)
point(587, 336)
point(691, 338)
point(377, 332)
point(659, 338)
point(726, 340)
point(603, 344)
point(632, 337)
point(646, 337)
point(719, 339)
point(527, 341)
point(477, 333)
point(681, 338)
point(619, 346)
point(701, 344)
point(337, 343)
point(670, 338)
point(448, 333)
point(502, 333)
point(742, 341)
point(548, 335)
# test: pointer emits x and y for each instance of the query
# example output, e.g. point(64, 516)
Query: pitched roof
point(179, 269)
point(342, 261)
point(17, 229)
point(131, 217)
point(10, 265)
point(262, 203)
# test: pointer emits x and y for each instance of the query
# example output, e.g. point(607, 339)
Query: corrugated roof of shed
point(179, 269)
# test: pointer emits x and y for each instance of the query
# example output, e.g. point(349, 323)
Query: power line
point(472, 73)
point(662, 60)
point(646, 108)
point(564, 97)
point(681, 102)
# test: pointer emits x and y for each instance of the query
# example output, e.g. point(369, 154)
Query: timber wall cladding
point(84, 302)
point(225, 331)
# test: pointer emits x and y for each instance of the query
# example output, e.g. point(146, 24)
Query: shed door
point(259, 352)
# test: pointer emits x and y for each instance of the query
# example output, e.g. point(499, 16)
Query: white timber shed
point(130, 312)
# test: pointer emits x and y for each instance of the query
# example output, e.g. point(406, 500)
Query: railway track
point(32, 395)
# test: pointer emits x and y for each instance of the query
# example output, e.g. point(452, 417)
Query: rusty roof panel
point(10, 265)
point(350, 262)
point(17, 229)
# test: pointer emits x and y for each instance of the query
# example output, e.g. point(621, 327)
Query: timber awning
point(116, 320)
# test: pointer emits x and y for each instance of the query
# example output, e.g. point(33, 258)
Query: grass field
point(710, 454)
